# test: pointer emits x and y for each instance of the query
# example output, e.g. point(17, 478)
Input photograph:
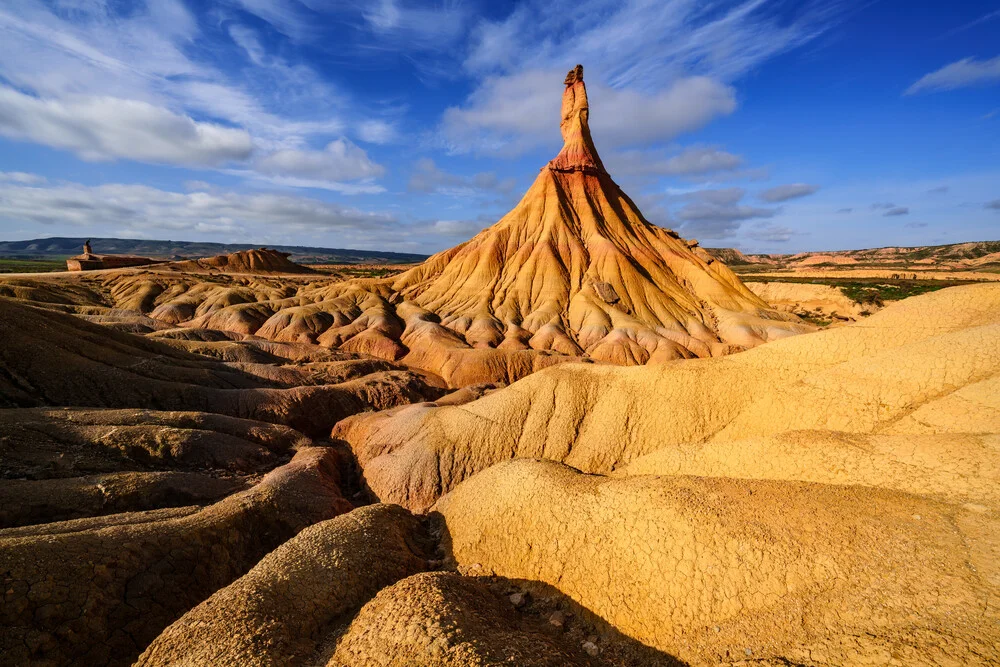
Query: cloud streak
point(107, 128)
point(961, 74)
point(140, 209)
point(655, 69)
point(339, 161)
point(782, 193)
point(203, 210)
point(717, 214)
point(109, 84)
point(692, 161)
point(428, 178)
point(510, 115)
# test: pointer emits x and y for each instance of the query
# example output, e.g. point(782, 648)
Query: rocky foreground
point(825, 499)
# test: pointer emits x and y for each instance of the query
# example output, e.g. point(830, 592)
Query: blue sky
point(769, 126)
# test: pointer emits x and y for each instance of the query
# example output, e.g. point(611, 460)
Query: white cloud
point(709, 211)
point(426, 28)
point(718, 197)
point(428, 178)
point(241, 108)
point(287, 16)
point(376, 131)
point(716, 213)
point(971, 24)
point(822, 226)
point(714, 221)
point(692, 161)
point(207, 211)
point(107, 83)
point(781, 193)
point(105, 128)
point(771, 233)
point(641, 44)
point(512, 114)
point(366, 187)
point(654, 69)
point(458, 229)
point(895, 211)
point(246, 38)
point(21, 177)
point(339, 161)
point(995, 204)
point(94, 52)
point(118, 208)
point(962, 74)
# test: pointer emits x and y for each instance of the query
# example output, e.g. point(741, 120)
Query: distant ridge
point(66, 246)
point(959, 255)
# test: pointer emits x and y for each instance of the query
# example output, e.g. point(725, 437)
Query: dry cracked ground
point(194, 496)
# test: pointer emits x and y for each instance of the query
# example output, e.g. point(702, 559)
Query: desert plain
point(574, 439)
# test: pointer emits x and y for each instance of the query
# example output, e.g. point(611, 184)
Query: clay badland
point(574, 439)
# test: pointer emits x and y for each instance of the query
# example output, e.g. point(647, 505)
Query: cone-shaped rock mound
point(576, 268)
point(573, 272)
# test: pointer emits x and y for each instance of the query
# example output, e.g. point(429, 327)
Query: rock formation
point(88, 261)
point(224, 462)
point(850, 388)
point(573, 272)
point(262, 261)
point(733, 570)
point(70, 362)
point(575, 269)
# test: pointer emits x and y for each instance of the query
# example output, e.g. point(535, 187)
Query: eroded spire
point(578, 152)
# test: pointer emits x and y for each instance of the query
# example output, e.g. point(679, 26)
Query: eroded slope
point(923, 367)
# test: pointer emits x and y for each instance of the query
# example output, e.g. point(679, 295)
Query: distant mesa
point(88, 261)
point(61, 247)
point(259, 261)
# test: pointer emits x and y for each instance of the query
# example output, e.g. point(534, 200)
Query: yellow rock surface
point(716, 571)
point(926, 365)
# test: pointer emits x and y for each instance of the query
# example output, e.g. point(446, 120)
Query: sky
point(766, 125)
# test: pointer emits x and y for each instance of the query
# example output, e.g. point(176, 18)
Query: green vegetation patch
point(31, 265)
point(370, 273)
point(877, 295)
point(818, 321)
point(876, 291)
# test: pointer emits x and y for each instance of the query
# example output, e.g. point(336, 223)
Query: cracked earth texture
point(711, 570)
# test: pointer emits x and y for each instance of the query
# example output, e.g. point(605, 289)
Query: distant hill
point(973, 254)
point(729, 255)
point(59, 247)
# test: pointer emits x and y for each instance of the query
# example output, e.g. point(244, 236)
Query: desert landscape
point(576, 438)
point(329, 338)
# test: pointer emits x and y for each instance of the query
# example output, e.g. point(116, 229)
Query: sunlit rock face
point(573, 272)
